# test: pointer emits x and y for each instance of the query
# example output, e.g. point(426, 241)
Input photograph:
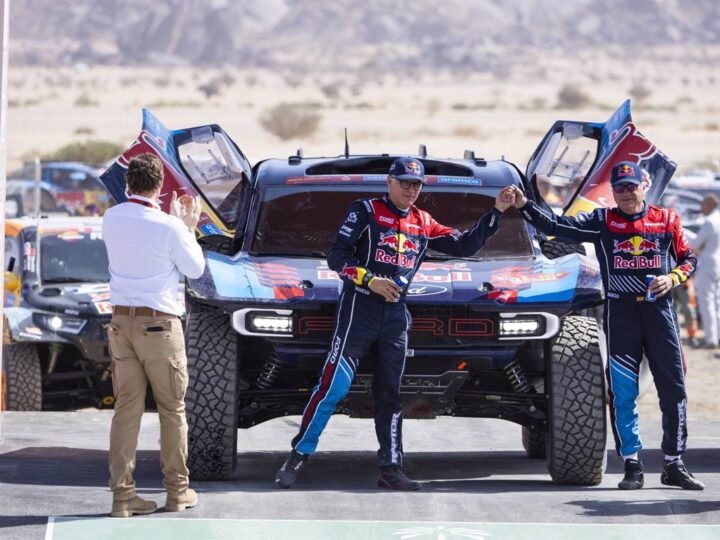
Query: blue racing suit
point(628, 248)
point(378, 239)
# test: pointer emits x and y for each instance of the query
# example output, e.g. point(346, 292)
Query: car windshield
point(73, 256)
point(304, 220)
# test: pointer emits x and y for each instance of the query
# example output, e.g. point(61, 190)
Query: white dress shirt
point(707, 242)
point(148, 250)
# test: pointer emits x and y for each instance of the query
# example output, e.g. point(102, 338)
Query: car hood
point(72, 298)
point(571, 280)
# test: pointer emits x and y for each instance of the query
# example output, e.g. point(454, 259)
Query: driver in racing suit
point(381, 242)
point(635, 242)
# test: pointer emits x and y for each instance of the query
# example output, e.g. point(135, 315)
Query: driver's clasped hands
point(386, 288)
point(186, 208)
point(511, 196)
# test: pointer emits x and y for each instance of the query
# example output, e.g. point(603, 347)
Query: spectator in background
point(91, 210)
point(686, 304)
point(707, 277)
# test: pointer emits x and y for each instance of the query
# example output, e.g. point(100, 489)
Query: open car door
point(570, 170)
point(200, 161)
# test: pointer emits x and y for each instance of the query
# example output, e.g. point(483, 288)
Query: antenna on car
point(469, 155)
point(297, 158)
point(422, 151)
point(347, 146)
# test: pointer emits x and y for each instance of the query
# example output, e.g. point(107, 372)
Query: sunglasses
point(409, 184)
point(620, 188)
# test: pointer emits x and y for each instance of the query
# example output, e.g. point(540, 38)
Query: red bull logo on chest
point(636, 247)
point(406, 250)
point(398, 243)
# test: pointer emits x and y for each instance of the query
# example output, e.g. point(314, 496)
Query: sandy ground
point(49, 108)
point(494, 116)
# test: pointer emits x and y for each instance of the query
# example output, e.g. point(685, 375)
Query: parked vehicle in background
point(20, 199)
point(56, 301)
point(686, 201)
point(502, 334)
point(75, 186)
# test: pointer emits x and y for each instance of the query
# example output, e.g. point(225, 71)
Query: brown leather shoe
point(178, 503)
point(131, 507)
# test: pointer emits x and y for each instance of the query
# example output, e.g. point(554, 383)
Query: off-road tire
point(211, 399)
point(577, 421)
point(22, 378)
point(534, 443)
point(553, 249)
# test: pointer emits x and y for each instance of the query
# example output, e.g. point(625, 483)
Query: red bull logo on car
point(636, 246)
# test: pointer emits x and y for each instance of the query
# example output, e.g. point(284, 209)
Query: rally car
point(75, 186)
point(56, 301)
point(507, 333)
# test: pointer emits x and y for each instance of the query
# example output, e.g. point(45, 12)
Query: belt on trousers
point(142, 311)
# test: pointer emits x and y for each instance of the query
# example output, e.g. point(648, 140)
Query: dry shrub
point(92, 151)
point(639, 92)
point(84, 130)
point(331, 90)
point(210, 89)
point(288, 121)
point(572, 97)
point(466, 132)
point(84, 100)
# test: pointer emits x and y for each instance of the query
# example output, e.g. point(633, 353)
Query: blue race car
point(510, 332)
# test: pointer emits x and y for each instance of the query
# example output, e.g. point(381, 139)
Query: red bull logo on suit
point(405, 249)
point(636, 246)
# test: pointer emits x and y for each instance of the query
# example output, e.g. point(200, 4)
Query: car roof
point(56, 222)
point(362, 169)
point(22, 184)
point(69, 165)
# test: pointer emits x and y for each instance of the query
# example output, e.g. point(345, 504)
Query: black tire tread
point(534, 443)
point(578, 428)
point(553, 249)
point(23, 377)
point(211, 399)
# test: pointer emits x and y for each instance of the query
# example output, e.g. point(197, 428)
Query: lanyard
point(143, 203)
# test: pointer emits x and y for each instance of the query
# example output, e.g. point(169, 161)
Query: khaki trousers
point(148, 349)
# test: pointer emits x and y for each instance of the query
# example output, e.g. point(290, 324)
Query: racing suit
point(378, 239)
point(628, 248)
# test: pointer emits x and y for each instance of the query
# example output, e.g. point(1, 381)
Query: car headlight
point(263, 322)
point(528, 325)
point(60, 323)
point(519, 327)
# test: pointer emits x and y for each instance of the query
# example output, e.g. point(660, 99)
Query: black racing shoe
point(634, 477)
point(394, 478)
point(288, 473)
point(675, 474)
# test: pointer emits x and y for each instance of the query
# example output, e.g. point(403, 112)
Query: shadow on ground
point(477, 472)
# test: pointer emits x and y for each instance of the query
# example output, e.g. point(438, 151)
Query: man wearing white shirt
point(148, 250)
point(707, 277)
